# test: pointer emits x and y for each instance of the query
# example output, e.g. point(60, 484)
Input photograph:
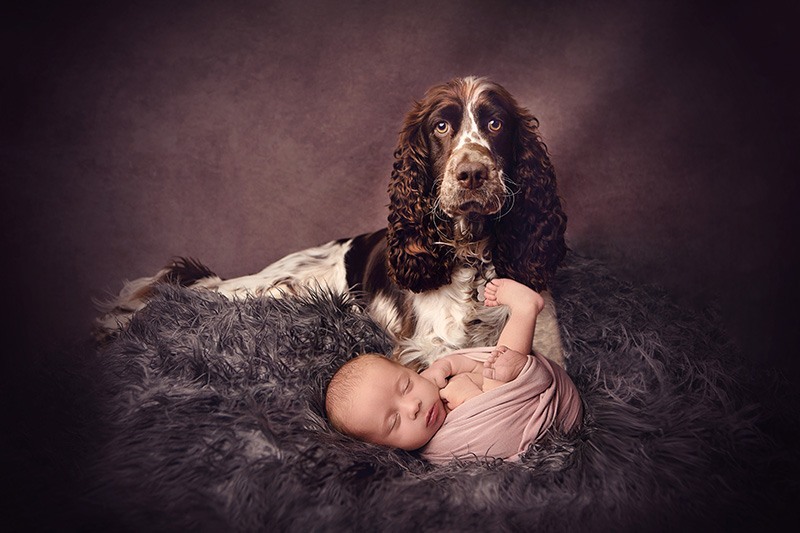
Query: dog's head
point(470, 167)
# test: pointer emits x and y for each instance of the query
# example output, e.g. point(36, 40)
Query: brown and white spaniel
point(472, 197)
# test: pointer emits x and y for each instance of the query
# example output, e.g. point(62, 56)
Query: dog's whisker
point(508, 201)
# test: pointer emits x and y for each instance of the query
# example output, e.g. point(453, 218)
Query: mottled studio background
point(239, 131)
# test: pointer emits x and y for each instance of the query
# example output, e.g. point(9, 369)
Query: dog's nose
point(471, 175)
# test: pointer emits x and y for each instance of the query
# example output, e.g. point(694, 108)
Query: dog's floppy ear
point(530, 243)
point(416, 262)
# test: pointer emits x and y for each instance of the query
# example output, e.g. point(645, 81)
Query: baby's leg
point(504, 364)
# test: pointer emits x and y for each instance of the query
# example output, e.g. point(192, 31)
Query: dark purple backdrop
point(239, 131)
point(236, 132)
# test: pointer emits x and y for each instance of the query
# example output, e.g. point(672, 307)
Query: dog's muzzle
point(472, 183)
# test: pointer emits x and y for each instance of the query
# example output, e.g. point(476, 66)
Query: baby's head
point(383, 402)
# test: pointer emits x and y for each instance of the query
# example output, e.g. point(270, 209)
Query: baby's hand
point(504, 364)
point(438, 373)
point(459, 389)
point(503, 291)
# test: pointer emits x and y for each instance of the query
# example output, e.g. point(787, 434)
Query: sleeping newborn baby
point(473, 403)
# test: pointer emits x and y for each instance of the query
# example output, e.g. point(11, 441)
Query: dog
point(473, 196)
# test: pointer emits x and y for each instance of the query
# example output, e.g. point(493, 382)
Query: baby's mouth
point(432, 415)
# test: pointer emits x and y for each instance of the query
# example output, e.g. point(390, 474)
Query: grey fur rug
point(214, 422)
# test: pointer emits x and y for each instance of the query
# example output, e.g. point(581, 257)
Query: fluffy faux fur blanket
point(215, 421)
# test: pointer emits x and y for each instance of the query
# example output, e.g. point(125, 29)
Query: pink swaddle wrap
point(504, 421)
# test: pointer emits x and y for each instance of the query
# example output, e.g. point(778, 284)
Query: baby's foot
point(504, 291)
point(504, 364)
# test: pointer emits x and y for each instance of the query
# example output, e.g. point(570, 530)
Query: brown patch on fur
point(185, 271)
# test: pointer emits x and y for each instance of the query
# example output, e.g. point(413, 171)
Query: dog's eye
point(441, 127)
point(495, 125)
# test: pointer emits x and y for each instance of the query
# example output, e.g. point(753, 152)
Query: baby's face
point(394, 406)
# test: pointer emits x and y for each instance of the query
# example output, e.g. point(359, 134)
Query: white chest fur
point(450, 318)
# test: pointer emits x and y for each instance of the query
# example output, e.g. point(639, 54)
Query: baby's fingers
point(488, 367)
point(434, 376)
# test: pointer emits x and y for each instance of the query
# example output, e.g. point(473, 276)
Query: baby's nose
point(414, 406)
